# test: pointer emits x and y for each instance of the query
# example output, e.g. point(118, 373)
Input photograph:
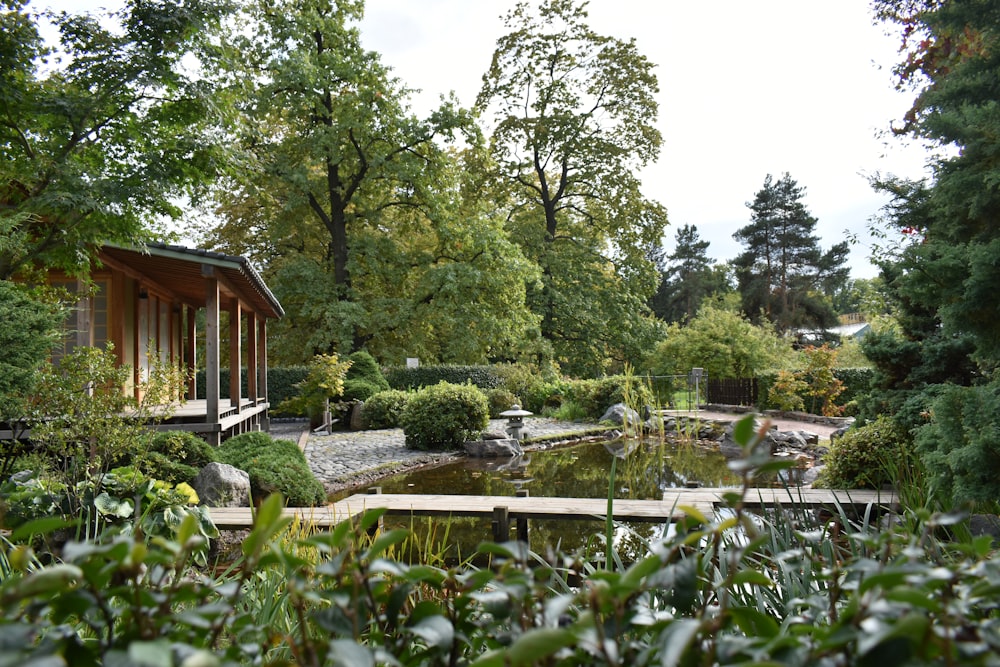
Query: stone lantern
point(515, 421)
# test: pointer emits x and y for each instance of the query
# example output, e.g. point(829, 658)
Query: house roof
point(182, 272)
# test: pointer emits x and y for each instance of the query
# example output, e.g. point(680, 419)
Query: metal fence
point(733, 391)
point(678, 391)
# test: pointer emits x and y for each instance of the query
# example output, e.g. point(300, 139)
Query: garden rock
point(356, 422)
point(222, 485)
point(493, 448)
point(618, 413)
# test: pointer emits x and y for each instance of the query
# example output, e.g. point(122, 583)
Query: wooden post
point(212, 352)
point(522, 521)
point(189, 355)
point(235, 354)
point(380, 524)
point(252, 392)
point(501, 524)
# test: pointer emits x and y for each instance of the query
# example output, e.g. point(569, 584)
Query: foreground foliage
point(728, 590)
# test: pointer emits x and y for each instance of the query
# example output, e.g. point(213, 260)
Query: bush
point(594, 397)
point(383, 410)
point(484, 377)
point(274, 466)
point(443, 416)
point(323, 382)
point(866, 457)
point(500, 400)
point(176, 456)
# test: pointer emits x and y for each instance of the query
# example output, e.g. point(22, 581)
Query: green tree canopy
point(572, 115)
point(782, 274)
point(721, 341)
point(104, 133)
point(940, 369)
point(368, 227)
point(687, 277)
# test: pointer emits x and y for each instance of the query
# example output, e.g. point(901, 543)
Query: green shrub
point(594, 397)
point(176, 456)
point(359, 390)
point(274, 466)
point(500, 400)
point(484, 377)
point(866, 457)
point(383, 409)
point(323, 382)
point(443, 416)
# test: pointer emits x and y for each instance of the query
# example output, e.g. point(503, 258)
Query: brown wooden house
point(147, 302)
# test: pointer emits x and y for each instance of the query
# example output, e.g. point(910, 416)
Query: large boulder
point(222, 485)
point(493, 448)
point(618, 413)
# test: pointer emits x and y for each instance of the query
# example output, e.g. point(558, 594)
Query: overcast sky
point(747, 88)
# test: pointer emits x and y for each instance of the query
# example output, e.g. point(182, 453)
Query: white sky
point(747, 88)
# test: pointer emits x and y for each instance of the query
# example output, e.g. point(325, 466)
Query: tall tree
point(573, 121)
point(939, 374)
point(783, 275)
point(103, 133)
point(687, 278)
point(366, 233)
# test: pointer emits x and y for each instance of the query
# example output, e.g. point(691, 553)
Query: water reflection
point(646, 470)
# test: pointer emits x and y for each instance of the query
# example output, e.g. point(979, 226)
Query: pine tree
point(688, 277)
point(783, 275)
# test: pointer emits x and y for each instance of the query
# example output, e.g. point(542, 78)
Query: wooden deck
point(506, 509)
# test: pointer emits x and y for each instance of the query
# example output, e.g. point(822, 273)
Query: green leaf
point(744, 431)
point(156, 653)
point(118, 507)
point(43, 526)
point(539, 643)
point(676, 639)
point(347, 653)
point(386, 540)
point(435, 630)
point(754, 623)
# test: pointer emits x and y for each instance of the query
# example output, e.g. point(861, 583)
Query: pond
point(573, 471)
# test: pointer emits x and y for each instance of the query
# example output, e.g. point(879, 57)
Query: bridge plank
point(704, 500)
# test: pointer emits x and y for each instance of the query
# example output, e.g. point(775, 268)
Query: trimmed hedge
point(401, 377)
point(384, 409)
point(274, 465)
point(443, 416)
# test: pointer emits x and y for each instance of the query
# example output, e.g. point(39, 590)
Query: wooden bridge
point(505, 510)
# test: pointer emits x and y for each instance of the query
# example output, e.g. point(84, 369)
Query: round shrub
point(174, 456)
point(359, 390)
point(383, 410)
point(866, 457)
point(443, 416)
point(274, 465)
point(500, 400)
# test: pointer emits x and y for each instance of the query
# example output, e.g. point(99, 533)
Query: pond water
point(574, 471)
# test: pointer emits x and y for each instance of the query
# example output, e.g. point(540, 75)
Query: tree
point(573, 116)
point(365, 223)
point(939, 373)
point(783, 275)
point(687, 278)
point(104, 134)
point(721, 341)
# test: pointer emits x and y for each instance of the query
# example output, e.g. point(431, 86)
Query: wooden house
point(146, 301)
